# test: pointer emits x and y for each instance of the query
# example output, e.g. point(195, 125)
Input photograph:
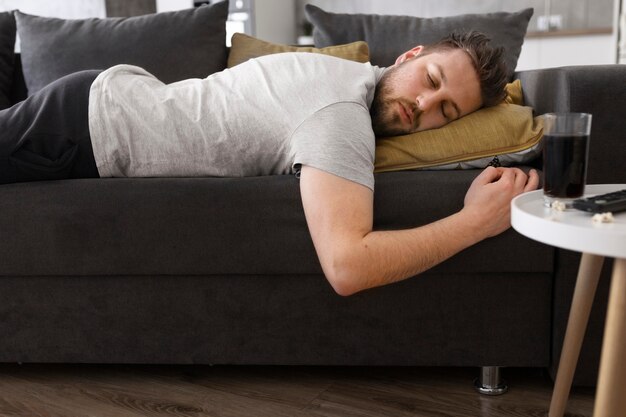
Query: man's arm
point(339, 214)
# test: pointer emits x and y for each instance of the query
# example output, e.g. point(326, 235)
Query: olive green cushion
point(245, 47)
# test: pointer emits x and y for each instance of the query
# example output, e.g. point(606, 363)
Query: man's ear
point(411, 53)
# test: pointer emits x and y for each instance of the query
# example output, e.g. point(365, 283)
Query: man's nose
point(425, 101)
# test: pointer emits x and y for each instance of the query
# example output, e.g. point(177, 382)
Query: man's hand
point(488, 200)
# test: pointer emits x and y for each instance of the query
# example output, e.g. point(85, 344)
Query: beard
point(386, 120)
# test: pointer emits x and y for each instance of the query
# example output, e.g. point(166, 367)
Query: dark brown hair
point(487, 60)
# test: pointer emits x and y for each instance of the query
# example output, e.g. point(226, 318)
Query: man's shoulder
point(308, 57)
point(312, 61)
point(334, 72)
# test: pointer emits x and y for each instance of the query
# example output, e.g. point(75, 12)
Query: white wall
point(67, 9)
point(557, 51)
point(275, 20)
point(171, 5)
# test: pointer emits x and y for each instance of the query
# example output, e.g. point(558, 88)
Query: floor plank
point(271, 391)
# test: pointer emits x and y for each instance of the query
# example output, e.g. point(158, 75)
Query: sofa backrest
point(18, 85)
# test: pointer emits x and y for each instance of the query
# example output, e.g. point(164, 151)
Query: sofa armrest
point(597, 89)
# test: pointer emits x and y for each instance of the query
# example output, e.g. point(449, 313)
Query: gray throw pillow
point(7, 57)
point(390, 36)
point(172, 45)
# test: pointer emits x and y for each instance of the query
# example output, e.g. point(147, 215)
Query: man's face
point(425, 91)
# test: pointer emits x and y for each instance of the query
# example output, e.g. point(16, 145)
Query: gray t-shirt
point(267, 116)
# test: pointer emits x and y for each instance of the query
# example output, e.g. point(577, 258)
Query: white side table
point(574, 230)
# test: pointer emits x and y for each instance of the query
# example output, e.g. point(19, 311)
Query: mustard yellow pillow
point(507, 132)
point(244, 47)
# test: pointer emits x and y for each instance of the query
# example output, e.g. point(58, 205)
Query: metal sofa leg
point(490, 382)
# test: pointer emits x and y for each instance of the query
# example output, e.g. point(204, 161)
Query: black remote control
point(603, 203)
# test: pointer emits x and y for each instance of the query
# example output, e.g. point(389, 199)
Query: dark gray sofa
point(223, 271)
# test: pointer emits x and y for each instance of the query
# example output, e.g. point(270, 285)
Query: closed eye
point(431, 81)
point(443, 113)
point(453, 109)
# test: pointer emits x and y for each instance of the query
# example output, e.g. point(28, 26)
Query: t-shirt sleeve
point(337, 139)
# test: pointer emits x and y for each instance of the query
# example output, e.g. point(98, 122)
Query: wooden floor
point(106, 390)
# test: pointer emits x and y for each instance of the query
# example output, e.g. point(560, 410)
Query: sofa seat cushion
point(217, 226)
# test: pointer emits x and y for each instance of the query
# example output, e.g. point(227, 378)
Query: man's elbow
point(345, 279)
point(347, 267)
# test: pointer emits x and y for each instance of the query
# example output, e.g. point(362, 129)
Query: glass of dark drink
point(565, 150)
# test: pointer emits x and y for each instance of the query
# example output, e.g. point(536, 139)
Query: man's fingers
point(533, 181)
point(521, 180)
point(489, 174)
point(508, 175)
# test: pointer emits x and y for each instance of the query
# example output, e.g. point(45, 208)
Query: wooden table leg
point(586, 284)
point(611, 391)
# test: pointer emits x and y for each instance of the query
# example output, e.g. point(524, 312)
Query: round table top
point(570, 229)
